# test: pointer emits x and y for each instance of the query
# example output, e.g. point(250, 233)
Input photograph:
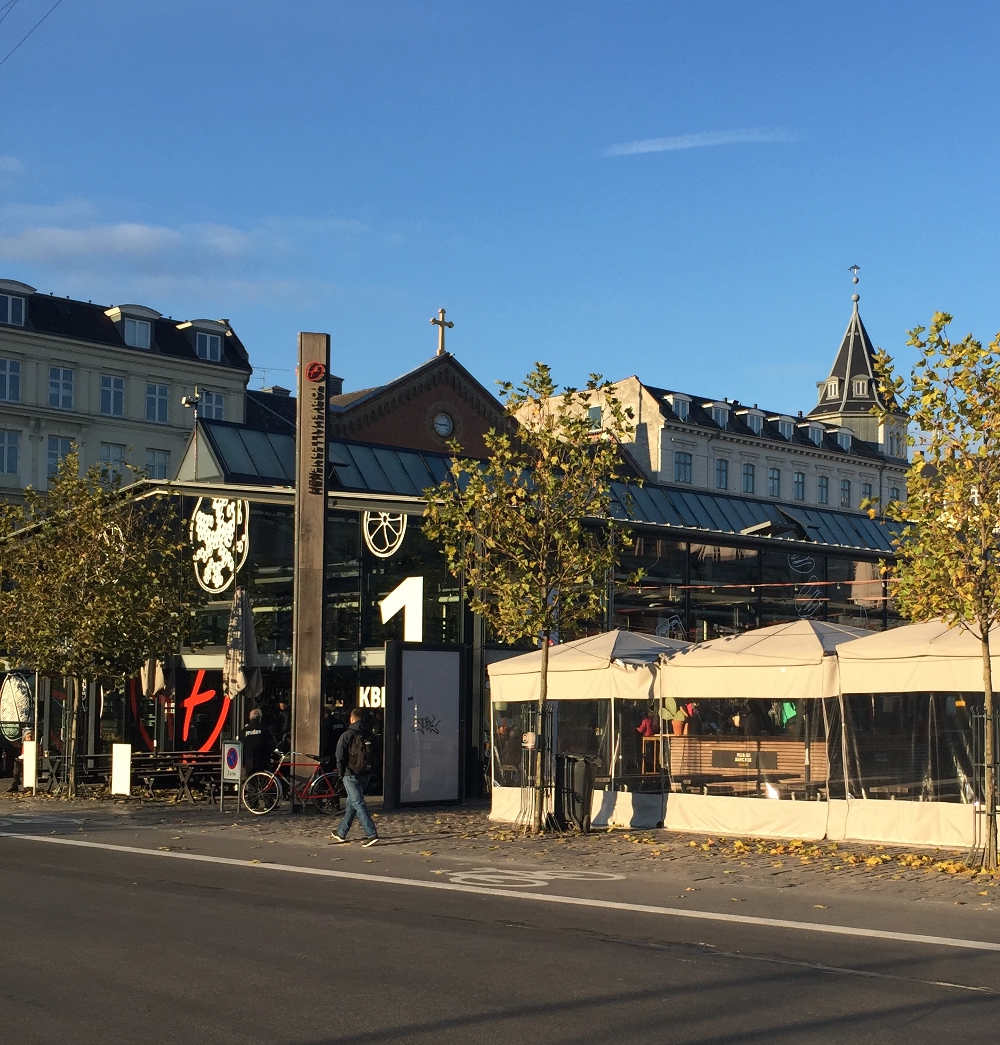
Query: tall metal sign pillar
point(308, 602)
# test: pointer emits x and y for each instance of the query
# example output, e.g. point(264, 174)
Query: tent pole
point(843, 739)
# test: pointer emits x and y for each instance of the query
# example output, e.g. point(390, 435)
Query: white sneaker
point(368, 842)
point(335, 838)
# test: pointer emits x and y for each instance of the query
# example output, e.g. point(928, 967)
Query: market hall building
point(714, 562)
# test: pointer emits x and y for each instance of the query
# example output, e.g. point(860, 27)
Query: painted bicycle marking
point(521, 878)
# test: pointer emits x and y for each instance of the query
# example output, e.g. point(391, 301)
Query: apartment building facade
point(109, 380)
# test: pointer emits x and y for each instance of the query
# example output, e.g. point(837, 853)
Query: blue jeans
point(356, 807)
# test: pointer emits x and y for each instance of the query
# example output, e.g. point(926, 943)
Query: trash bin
point(578, 791)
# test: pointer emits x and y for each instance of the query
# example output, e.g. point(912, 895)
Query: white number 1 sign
point(407, 596)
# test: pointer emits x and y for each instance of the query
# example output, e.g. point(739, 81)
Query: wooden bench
point(746, 765)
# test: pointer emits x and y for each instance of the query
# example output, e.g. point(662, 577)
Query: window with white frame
point(720, 415)
point(823, 490)
point(157, 463)
point(866, 491)
point(112, 458)
point(10, 380)
point(893, 493)
point(137, 332)
point(10, 444)
point(816, 434)
point(681, 407)
point(59, 446)
point(12, 310)
point(594, 417)
point(861, 386)
point(844, 440)
point(774, 482)
point(755, 422)
point(831, 388)
point(156, 402)
point(212, 406)
point(721, 473)
point(208, 346)
point(786, 428)
point(799, 486)
point(749, 477)
point(112, 395)
point(845, 493)
point(61, 387)
point(682, 467)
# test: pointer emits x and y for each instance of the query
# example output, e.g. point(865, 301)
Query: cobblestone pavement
point(464, 833)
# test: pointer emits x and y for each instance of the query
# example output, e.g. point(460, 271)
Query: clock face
point(443, 424)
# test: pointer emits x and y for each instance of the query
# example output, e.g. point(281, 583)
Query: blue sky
point(657, 188)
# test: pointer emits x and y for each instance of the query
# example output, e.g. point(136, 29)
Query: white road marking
point(523, 878)
point(547, 898)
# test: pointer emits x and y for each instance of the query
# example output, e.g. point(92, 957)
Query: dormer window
point(719, 413)
point(786, 428)
point(12, 310)
point(135, 324)
point(137, 333)
point(831, 388)
point(844, 440)
point(814, 433)
point(755, 421)
point(681, 407)
point(208, 346)
point(208, 335)
point(860, 387)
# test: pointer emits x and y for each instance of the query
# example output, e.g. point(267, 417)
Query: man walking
point(354, 765)
point(258, 744)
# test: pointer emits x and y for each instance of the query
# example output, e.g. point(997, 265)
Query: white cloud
point(59, 243)
point(702, 140)
point(11, 165)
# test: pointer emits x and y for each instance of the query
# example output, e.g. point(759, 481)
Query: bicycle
point(262, 791)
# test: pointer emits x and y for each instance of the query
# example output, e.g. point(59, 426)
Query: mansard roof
point(93, 323)
point(700, 416)
point(855, 361)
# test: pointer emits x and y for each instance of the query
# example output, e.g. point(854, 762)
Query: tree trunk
point(543, 692)
point(71, 739)
point(989, 860)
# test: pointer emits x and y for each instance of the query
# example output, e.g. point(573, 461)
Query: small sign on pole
point(121, 769)
point(232, 769)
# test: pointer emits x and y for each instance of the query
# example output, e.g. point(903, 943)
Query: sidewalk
point(464, 834)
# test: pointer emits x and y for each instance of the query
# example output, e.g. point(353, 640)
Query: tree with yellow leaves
point(528, 530)
point(948, 546)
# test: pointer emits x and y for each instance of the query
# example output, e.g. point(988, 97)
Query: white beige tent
point(615, 665)
point(791, 661)
point(917, 658)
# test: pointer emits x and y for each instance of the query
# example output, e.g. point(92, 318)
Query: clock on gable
point(443, 424)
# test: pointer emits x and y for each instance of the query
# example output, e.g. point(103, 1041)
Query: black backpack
point(359, 754)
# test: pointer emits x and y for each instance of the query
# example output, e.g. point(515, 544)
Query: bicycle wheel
point(261, 792)
point(323, 794)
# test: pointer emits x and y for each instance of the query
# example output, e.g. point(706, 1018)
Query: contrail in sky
point(702, 140)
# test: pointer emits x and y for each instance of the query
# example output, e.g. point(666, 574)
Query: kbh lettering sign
point(371, 696)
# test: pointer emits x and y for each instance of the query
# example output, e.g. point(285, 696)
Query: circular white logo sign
point(384, 532)
point(220, 541)
point(16, 705)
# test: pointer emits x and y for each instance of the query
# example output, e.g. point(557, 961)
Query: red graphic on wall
point(193, 700)
point(315, 371)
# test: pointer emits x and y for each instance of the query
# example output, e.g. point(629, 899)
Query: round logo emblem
point(220, 541)
point(16, 706)
point(315, 371)
point(384, 532)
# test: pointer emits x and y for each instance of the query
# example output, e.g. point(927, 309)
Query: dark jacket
point(258, 744)
point(355, 729)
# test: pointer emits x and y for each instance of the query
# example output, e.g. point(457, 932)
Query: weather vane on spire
point(440, 322)
point(854, 270)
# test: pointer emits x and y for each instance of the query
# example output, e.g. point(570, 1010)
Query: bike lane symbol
point(519, 878)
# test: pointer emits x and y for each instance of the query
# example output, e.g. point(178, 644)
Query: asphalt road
point(352, 945)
